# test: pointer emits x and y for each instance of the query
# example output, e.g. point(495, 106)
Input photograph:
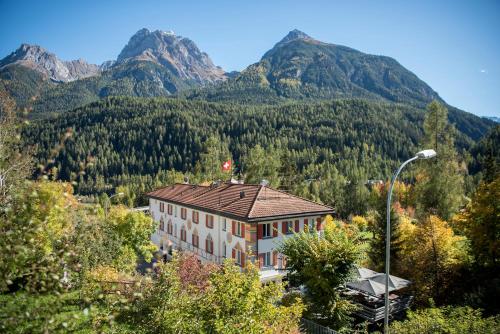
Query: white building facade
point(242, 222)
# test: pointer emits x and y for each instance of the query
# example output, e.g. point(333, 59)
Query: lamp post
point(106, 204)
point(425, 154)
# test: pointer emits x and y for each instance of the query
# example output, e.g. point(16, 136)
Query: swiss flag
point(226, 166)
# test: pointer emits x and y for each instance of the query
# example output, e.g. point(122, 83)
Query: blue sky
point(452, 45)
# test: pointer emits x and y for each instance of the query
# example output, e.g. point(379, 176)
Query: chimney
point(242, 194)
point(264, 183)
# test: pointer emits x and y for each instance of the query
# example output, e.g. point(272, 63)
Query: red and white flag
point(226, 166)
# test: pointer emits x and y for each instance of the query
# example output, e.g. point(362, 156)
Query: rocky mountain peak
point(180, 55)
point(48, 64)
point(294, 35)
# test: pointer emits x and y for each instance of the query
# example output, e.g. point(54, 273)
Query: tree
point(263, 164)
point(324, 265)
point(134, 228)
point(439, 182)
point(15, 162)
point(35, 249)
point(355, 195)
point(432, 257)
point(213, 155)
point(480, 222)
point(446, 320)
point(213, 300)
point(377, 243)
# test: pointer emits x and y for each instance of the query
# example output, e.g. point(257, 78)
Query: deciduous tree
point(323, 265)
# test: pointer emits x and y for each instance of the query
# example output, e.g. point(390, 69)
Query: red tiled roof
point(258, 202)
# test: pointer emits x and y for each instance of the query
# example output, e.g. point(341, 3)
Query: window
point(239, 257)
point(311, 225)
point(267, 260)
point(169, 209)
point(183, 233)
point(224, 224)
point(183, 213)
point(224, 253)
point(287, 227)
point(162, 225)
point(162, 207)
point(209, 245)
point(266, 230)
point(175, 230)
point(238, 229)
point(195, 240)
point(210, 221)
point(175, 210)
point(196, 216)
point(169, 227)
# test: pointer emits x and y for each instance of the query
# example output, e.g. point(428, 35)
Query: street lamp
point(106, 204)
point(425, 154)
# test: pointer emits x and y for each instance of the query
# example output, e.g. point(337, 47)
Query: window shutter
point(206, 245)
point(306, 223)
point(243, 230)
point(234, 253)
point(284, 227)
point(242, 260)
point(233, 227)
point(275, 258)
point(261, 260)
point(319, 226)
point(297, 226)
point(259, 231)
point(275, 230)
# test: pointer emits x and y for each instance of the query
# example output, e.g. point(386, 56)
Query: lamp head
point(426, 154)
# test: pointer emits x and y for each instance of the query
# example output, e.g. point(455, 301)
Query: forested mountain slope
point(116, 137)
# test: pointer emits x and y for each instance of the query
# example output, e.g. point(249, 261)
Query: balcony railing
point(186, 246)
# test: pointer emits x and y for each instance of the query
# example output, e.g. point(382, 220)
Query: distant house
point(245, 222)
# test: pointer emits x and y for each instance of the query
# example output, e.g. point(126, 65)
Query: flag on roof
point(226, 166)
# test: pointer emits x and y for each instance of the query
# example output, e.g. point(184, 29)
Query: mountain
point(49, 65)
point(159, 63)
point(153, 63)
point(301, 67)
point(179, 54)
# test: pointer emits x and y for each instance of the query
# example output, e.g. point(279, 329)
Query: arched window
point(162, 224)
point(169, 227)
point(195, 239)
point(183, 233)
point(209, 244)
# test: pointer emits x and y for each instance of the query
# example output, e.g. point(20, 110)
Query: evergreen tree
point(378, 228)
point(263, 164)
point(440, 182)
point(214, 154)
